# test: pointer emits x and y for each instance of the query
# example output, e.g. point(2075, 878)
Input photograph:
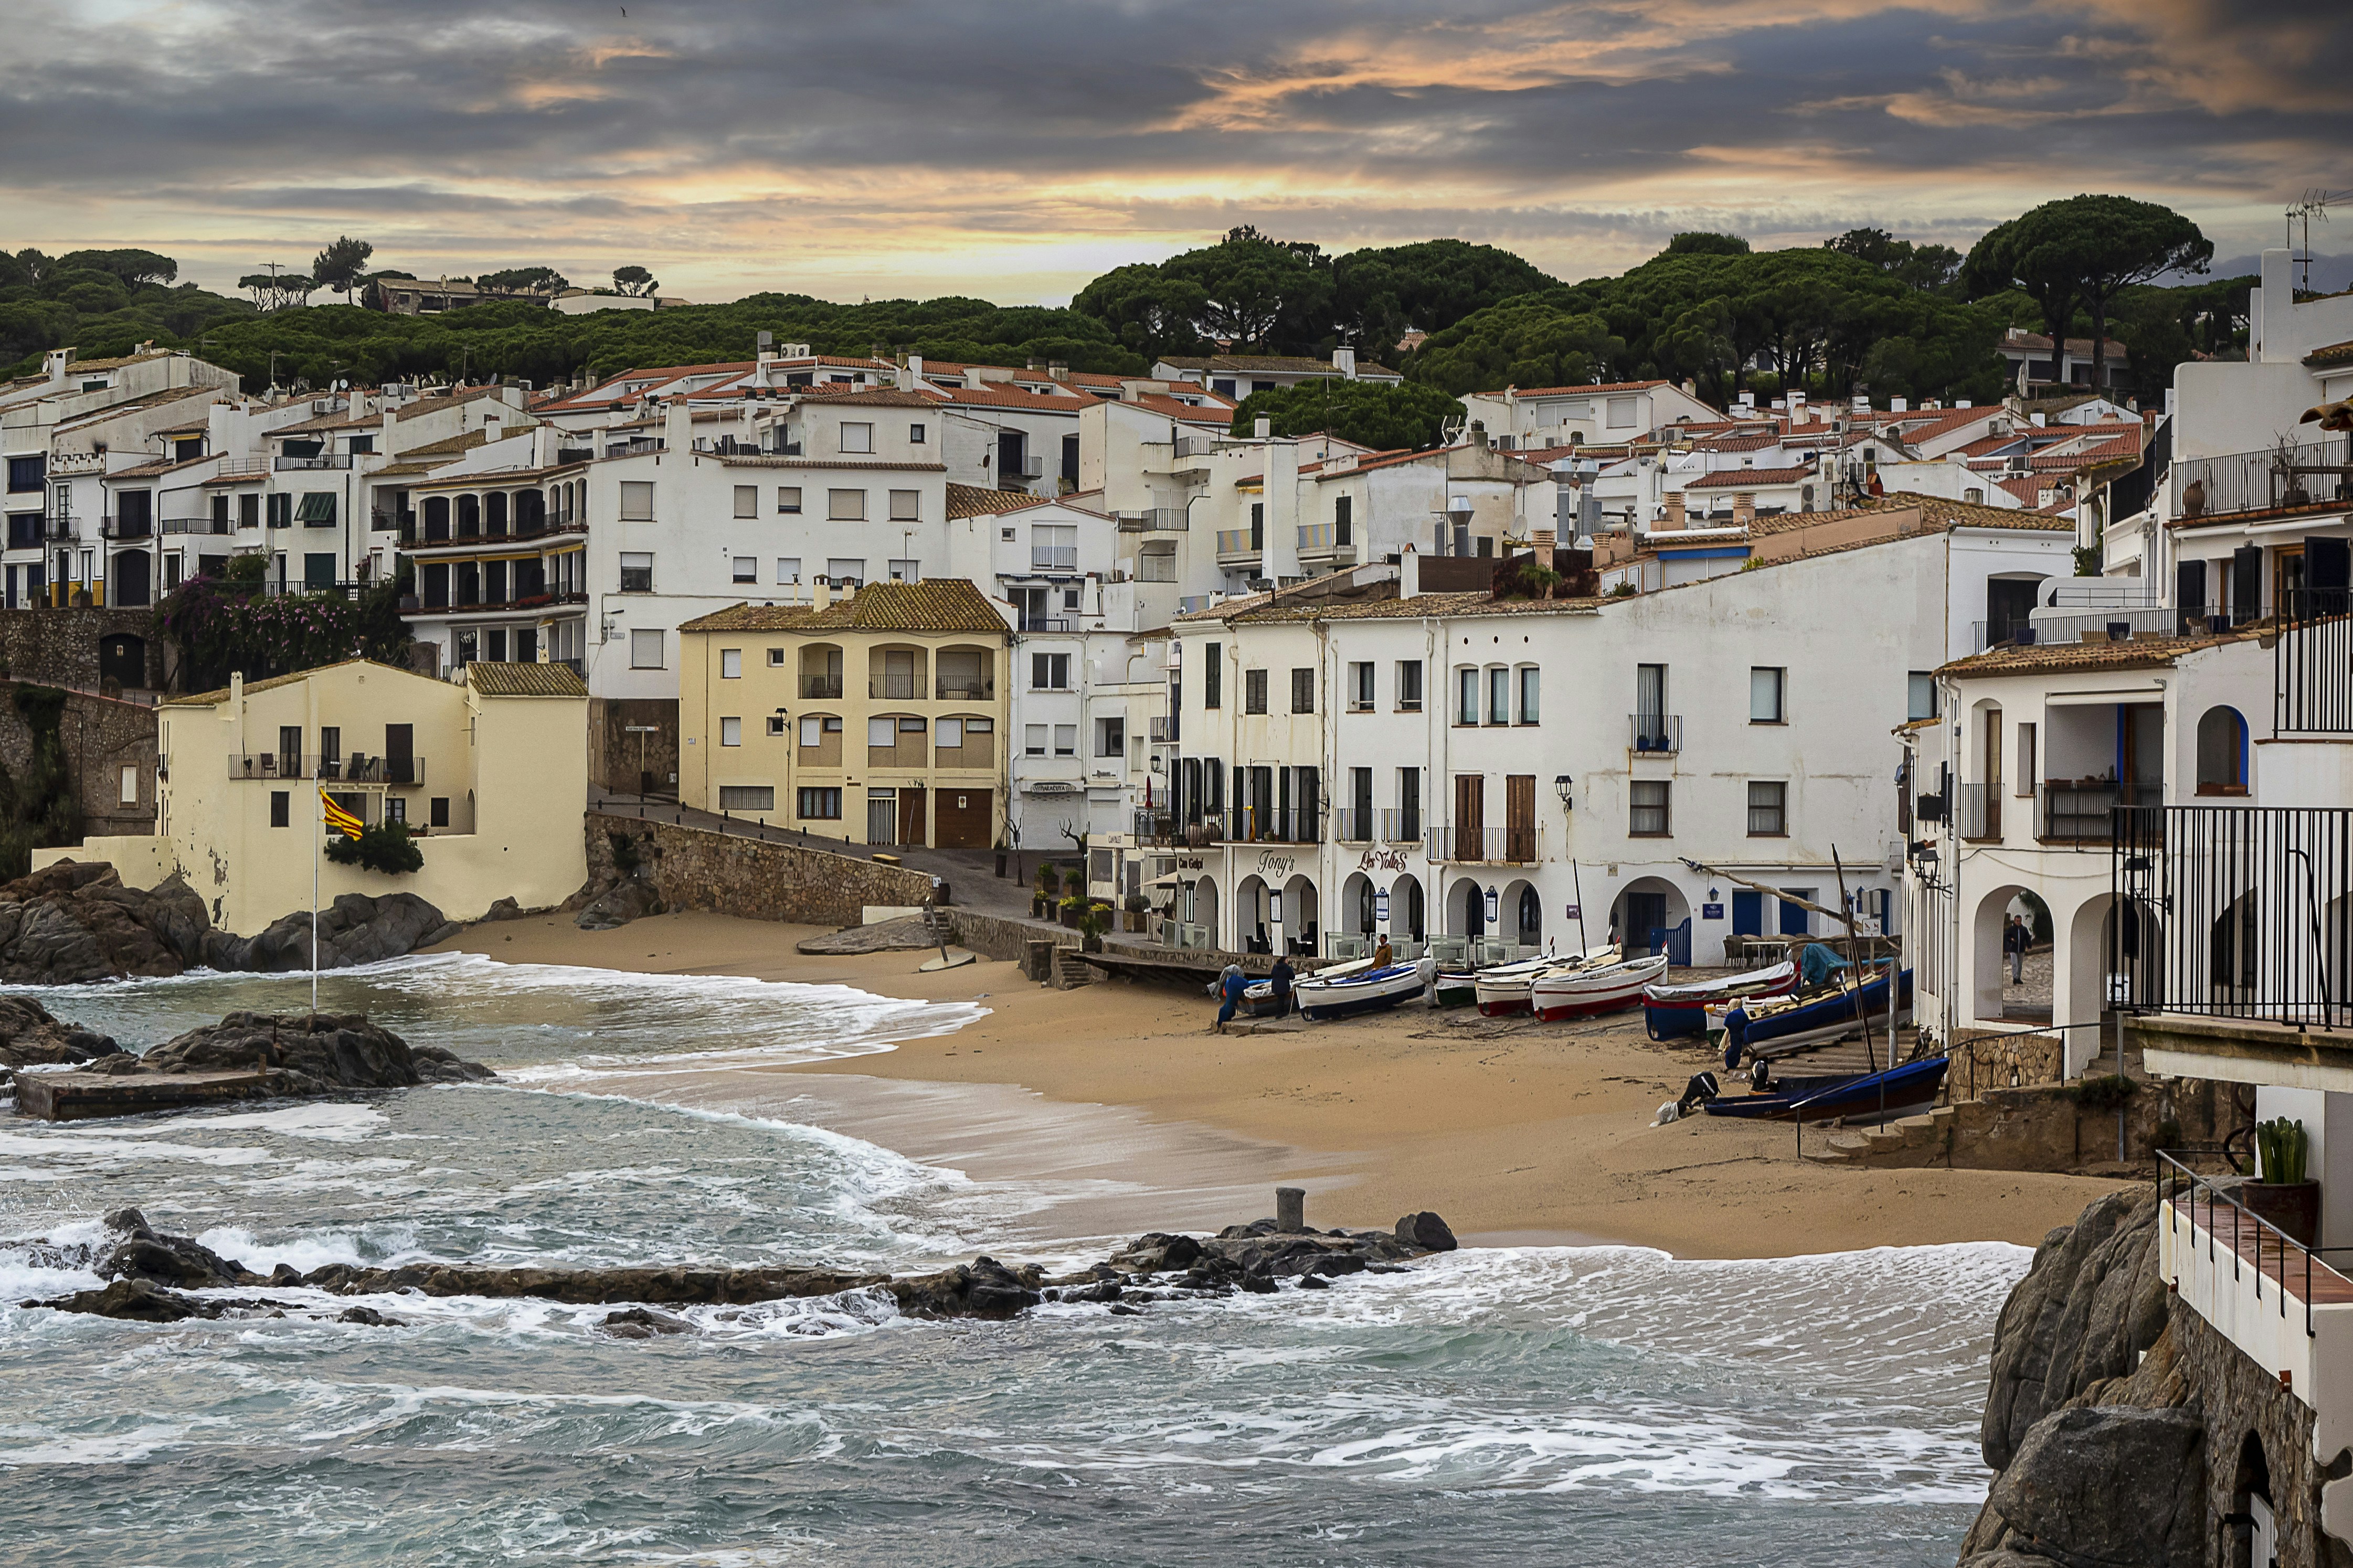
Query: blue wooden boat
point(1368, 991)
point(1907, 1090)
point(1672, 1012)
point(1777, 1027)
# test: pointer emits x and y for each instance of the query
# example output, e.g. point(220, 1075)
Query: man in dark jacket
point(2015, 941)
point(1283, 976)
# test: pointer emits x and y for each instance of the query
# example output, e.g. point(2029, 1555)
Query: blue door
point(1747, 913)
point(1793, 918)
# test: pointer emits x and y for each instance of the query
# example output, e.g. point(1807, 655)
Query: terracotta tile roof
point(436, 402)
point(151, 469)
point(936, 605)
point(2331, 353)
point(1272, 365)
point(2081, 348)
point(220, 695)
point(861, 465)
point(1734, 443)
point(877, 396)
point(972, 500)
point(1750, 478)
point(2137, 653)
point(994, 396)
point(136, 404)
point(497, 679)
point(447, 447)
point(1577, 391)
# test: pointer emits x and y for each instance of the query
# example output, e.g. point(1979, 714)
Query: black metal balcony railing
point(895, 687)
point(2233, 911)
point(2085, 812)
point(2312, 663)
point(356, 767)
point(821, 688)
point(1275, 825)
point(1656, 732)
point(2274, 479)
point(1355, 825)
point(119, 527)
point(323, 460)
point(1401, 825)
point(966, 691)
point(1484, 846)
point(197, 525)
point(60, 527)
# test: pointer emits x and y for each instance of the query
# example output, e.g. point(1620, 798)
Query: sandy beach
point(1122, 1108)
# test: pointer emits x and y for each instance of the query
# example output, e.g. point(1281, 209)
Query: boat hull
point(1585, 994)
point(1907, 1090)
point(1369, 993)
point(1815, 1022)
point(1678, 1012)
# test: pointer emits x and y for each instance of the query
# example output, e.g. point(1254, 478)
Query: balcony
point(965, 691)
point(1272, 825)
point(196, 525)
point(2276, 478)
point(1655, 735)
point(1053, 558)
point(821, 688)
point(1154, 519)
point(126, 528)
point(323, 460)
point(896, 687)
point(1485, 846)
point(439, 536)
point(1237, 545)
point(2312, 664)
point(2082, 811)
point(1319, 541)
point(356, 768)
point(60, 529)
point(1977, 812)
point(1401, 825)
point(1355, 825)
point(1030, 622)
point(1163, 730)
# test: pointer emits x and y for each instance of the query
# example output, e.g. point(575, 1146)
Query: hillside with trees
point(1867, 308)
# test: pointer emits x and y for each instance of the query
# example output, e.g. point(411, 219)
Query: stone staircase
point(1070, 970)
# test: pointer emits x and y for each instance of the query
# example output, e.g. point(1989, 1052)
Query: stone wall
point(60, 647)
point(2002, 1062)
point(994, 936)
point(102, 735)
point(754, 878)
point(2240, 1402)
point(617, 759)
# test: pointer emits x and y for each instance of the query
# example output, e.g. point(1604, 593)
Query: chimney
point(1744, 510)
point(1344, 361)
point(1675, 519)
point(821, 594)
point(1479, 434)
point(1899, 405)
point(1058, 369)
point(542, 447)
point(54, 362)
point(678, 426)
point(1264, 429)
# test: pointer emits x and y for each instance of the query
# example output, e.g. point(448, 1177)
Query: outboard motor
point(1702, 1088)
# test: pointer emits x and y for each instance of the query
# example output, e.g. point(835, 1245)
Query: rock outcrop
point(154, 1277)
point(617, 902)
point(75, 923)
point(29, 1037)
point(310, 1053)
point(2091, 1418)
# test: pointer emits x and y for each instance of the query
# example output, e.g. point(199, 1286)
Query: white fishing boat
point(1599, 988)
point(1502, 989)
point(1323, 999)
point(1258, 998)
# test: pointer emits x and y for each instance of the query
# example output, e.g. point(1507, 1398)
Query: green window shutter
point(317, 510)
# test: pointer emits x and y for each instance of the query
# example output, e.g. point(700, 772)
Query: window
point(777, 726)
point(396, 809)
point(2026, 774)
point(28, 473)
point(884, 733)
point(915, 435)
point(437, 813)
point(316, 509)
point(1360, 688)
point(1253, 691)
point(815, 727)
point(857, 437)
point(747, 569)
point(646, 649)
point(280, 808)
point(906, 571)
point(838, 571)
point(949, 735)
point(1111, 738)
point(1302, 691)
point(819, 805)
point(1050, 672)
point(747, 797)
point(636, 500)
point(1053, 548)
point(282, 510)
point(637, 572)
point(1764, 686)
point(845, 506)
point(1620, 413)
point(1344, 512)
point(1499, 696)
point(788, 569)
point(1213, 676)
point(248, 511)
point(748, 501)
point(730, 664)
point(788, 500)
point(904, 507)
point(1466, 695)
point(1531, 679)
point(1648, 815)
point(1033, 739)
point(1922, 695)
point(1768, 808)
point(731, 731)
point(1066, 740)
point(1409, 686)
point(2221, 752)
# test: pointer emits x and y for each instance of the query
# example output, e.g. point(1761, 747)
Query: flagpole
point(318, 848)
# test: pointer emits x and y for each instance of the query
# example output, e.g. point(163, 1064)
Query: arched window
point(1531, 916)
point(2221, 752)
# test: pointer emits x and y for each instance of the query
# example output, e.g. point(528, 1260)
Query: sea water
point(1507, 1407)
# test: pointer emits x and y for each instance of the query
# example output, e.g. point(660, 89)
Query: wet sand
point(1119, 1105)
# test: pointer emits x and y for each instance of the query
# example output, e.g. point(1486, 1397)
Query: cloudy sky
point(1015, 148)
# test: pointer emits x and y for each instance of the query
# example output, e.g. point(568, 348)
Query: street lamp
point(1561, 786)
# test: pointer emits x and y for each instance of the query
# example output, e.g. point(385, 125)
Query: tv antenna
point(2315, 203)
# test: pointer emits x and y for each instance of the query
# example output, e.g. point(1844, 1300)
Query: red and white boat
point(1502, 989)
point(1581, 993)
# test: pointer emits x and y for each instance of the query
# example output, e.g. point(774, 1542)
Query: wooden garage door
point(965, 818)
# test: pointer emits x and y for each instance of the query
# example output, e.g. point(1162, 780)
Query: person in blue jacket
point(1229, 988)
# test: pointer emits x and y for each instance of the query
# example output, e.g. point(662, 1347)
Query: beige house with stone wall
point(492, 772)
point(878, 718)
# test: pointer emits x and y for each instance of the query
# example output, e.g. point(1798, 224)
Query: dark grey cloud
point(709, 134)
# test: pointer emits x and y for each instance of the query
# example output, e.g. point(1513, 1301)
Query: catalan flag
point(342, 821)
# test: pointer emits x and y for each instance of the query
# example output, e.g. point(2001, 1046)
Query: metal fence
point(2233, 912)
point(2290, 474)
point(2312, 663)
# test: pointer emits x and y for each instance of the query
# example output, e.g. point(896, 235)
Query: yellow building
point(492, 772)
point(879, 718)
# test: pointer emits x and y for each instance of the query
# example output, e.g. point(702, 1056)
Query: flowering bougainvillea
point(221, 625)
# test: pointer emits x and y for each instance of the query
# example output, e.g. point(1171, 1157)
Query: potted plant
point(1091, 926)
point(1139, 907)
point(1000, 858)
point(1049, 884)
point(2280, 1192)
point(1073, 908)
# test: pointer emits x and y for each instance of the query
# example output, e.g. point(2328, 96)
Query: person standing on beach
point(1228, 987)
point(1281, 977)
point(2014, 943)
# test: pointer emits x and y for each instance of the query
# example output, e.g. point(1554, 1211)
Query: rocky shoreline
point(156, 1276)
